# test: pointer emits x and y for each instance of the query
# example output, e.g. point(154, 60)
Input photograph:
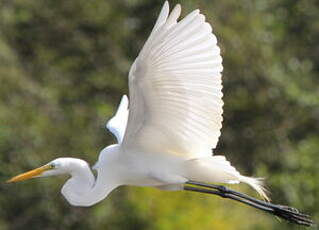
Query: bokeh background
point(64, 67)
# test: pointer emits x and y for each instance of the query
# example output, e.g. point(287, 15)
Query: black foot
point(285, 212)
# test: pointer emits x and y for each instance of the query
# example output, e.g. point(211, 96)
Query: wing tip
point(165, 8)
point(124, 102)
point(124, 98)
point(178, 7)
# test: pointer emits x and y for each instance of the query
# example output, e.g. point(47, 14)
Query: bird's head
point(56, 167)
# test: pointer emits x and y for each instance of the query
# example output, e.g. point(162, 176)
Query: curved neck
point(82, 189)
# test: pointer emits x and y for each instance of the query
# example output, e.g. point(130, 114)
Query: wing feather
point(117, 124)
point(176, 89)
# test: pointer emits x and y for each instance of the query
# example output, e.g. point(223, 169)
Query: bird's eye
point(52, 166)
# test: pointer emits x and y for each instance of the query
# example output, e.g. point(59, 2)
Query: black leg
point(284, 212)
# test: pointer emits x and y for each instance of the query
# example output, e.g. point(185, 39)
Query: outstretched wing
point(117, 124)
point(175, 88)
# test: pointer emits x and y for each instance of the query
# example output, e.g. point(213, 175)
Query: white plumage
point(167, 132)
point(175, 88)
point(117, 124)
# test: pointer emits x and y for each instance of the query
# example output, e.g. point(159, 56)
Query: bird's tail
point(216, 169)
point(257, 184)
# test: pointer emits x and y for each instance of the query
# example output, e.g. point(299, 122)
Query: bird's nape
point(81, 188)
point(284, 212)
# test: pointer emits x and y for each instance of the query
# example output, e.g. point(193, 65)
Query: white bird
point(167, 132)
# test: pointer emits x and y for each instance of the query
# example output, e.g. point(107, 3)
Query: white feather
point(175, 89)
point(117, 124)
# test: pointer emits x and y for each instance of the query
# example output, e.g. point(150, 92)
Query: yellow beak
point(29, 174)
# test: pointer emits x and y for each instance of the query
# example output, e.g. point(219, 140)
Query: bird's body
point(117, 167)
point(167, 132)
point(139, 169)
point(149, 169)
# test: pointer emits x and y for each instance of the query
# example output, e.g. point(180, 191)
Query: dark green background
point(63, 69)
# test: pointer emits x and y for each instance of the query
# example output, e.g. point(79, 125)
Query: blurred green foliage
point(63, 69)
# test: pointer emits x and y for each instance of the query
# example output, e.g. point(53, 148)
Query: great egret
point(166, 136)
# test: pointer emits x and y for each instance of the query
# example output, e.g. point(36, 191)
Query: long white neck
point(82, 189)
